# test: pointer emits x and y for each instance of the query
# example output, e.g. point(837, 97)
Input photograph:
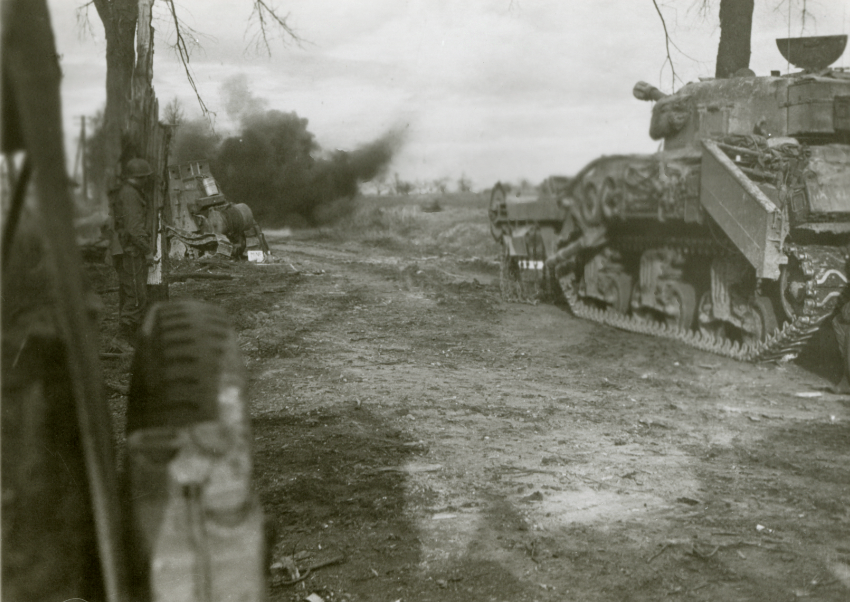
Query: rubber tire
point(187, 350)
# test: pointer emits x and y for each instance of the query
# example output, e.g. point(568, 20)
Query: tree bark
point(736, 24)
point(119, 19)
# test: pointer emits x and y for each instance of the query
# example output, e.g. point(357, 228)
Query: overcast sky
point(494, 89)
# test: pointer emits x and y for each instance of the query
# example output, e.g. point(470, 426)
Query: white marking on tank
point(530, 264)
point(828, 297)
point(828, 273)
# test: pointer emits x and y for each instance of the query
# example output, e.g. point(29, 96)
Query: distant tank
point(734, 238)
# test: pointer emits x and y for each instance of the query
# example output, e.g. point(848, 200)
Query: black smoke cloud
point(275, 165)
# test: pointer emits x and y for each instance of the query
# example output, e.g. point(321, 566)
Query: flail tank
point(734, 238)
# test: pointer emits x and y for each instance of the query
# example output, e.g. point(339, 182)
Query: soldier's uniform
point(131, 253)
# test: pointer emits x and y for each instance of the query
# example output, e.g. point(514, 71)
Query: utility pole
point(85, 171)
point(80, 159)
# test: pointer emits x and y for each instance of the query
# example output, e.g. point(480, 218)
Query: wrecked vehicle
point(203, 219)
point(733, 238)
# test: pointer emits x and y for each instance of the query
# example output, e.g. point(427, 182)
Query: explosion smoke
point(275, 165)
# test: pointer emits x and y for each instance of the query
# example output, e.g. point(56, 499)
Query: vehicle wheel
point(762, 321)
point(792, 288)
point(618, 292)
point(188, 468)
point(498, 211)
point(715, 329)
point(682, 305)
point(186, 352)
point(638, 310)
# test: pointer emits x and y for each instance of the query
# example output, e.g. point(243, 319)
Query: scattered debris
point(411, 468)
point(695, 551)
point(288, 564)
point(443, 516)
point(659, 553)
point(534, 497)
point(198, 276)
point(687, 500)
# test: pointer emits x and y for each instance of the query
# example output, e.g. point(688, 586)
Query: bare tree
point(736, 24)
point(173, 114)
point(126, 63)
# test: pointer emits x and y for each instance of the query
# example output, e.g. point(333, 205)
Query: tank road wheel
point(188, 487)
point(715, 329)
point(681, 305)
point(618, 292)
point(639, 312)
point(792, 288)
point(761, 321)
point(498, 211)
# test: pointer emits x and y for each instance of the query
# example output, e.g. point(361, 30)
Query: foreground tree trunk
point(736, 24)
point(119, 18)
point(131, 125)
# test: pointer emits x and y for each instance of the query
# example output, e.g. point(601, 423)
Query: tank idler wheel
point(707, 324)
point(680, 312)
point(762, 321)
point(498, 210)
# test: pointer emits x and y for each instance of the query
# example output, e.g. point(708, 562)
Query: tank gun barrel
point(645, 91)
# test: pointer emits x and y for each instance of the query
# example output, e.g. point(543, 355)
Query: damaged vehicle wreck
point(202, 219)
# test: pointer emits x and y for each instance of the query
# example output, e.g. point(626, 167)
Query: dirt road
point(438, 444)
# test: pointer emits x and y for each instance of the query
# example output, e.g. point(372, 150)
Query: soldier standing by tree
point(131, 250)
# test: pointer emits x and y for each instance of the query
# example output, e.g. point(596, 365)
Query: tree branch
point(667, 44)
point(265, 16)
point(182, 50)
point(83, 21)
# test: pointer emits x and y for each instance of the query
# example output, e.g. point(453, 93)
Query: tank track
point(820, 263)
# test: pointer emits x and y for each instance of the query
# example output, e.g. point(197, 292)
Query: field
point(435, 443)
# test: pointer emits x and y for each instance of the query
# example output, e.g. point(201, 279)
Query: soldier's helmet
point(138, 168)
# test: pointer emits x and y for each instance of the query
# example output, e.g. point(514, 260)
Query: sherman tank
point(734, 238)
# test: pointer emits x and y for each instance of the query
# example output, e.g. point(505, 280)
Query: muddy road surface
point(423, 440)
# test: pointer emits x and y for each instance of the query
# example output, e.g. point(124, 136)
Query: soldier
point(131, 250)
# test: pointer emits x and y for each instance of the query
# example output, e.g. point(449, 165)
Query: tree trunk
point(119, 19)
point(736, 24)
point(131, 125)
